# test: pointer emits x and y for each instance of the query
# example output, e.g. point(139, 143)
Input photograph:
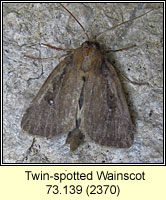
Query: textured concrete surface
point(27, 25)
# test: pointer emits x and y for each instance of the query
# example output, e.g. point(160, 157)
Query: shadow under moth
point(83, 95)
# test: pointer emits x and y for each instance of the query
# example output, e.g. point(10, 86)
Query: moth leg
point(57, 48)
point(133, 82)
point(125, 48)
point(43, 59)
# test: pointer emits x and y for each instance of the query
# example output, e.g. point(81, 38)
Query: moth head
point(91, 44)
point(90, 50)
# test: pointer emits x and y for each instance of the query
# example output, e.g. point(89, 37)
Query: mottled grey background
point(27, 25)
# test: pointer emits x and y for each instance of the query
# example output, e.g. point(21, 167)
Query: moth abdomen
point(75, 138)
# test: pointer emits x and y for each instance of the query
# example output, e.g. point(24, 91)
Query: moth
point(83, 95)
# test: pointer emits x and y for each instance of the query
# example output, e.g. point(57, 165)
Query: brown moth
point(83, 95)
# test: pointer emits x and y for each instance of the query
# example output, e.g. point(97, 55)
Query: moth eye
point(86, 44)
point(97, 45)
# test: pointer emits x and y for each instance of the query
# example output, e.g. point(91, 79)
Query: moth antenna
point(75, 20)
point(125, 22)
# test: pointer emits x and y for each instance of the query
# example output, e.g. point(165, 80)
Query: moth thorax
point(91, 56)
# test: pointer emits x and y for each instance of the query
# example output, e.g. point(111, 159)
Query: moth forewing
point(106, 117)
point(52, 111)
